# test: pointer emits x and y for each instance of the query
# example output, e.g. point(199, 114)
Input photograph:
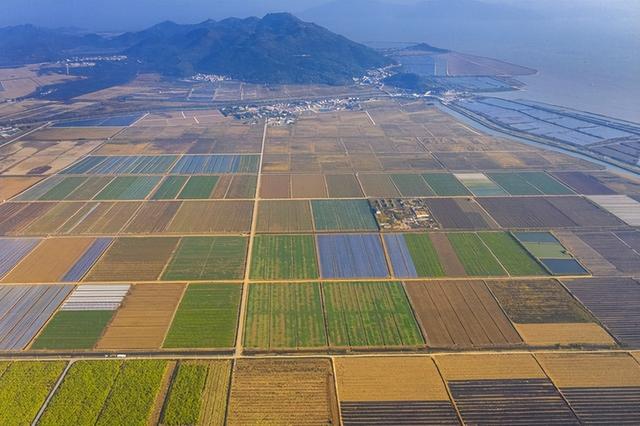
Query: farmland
point(343, 215)
point(284, 257)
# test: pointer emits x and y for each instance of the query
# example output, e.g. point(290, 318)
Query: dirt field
point(275, 186)
point(281, 391)
point(49, 261)
point(153, 217)
point(143, 319)
point(212, 217)
point(591, 370)
point(11, 186)
point(284, 216)
point(564, 334)
point(308, 186)
point(489, 367)
point(460, 314)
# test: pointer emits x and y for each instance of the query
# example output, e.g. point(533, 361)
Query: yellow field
point(591, 370)
point(11, 186)
point(489, 367)
point(564, 334)
point(389, 379)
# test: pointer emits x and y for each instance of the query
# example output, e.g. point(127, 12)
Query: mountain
point(279, 48)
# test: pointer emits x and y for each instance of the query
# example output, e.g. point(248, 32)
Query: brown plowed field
point(133, 259)
point(105, 218)
point(591, 369)
point(583, 212)
point(343, 186)
point(222, 187)
point(242, 186)
point(49, 261)
point(448, 257)
point(460, 314)
point(275, 186)
point(284, 216)
point(212, 216)
point(389, 379)
point(23, 217)
point(489, 367)
point(282, 391)
point(153, 217)
point(378, 186)
point(460, 213)
point(308, 186)
point(11, 186)
point(143, 319)
point(52, 220)
point(525, 212)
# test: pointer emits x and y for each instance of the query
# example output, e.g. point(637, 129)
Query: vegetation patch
point(73, 330)
point(476, 258)
point(284, 257)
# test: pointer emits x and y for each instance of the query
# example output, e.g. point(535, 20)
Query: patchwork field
point(284, 257)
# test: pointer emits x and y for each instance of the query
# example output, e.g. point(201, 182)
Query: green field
point(476, 258)
point(24, 386)
point(411, 185)
point(198, 187)
point(206, 317)
point(284, 316)
point(343, 215)
point(169, 188)
point(511, 255)
point(424, 255)
point(545, 183)
point(369, 314)
point(208, 258)
point(445, 184)
point(284, 257)
point(73, 330)
point(185, 395)
point(514, 183)
point(128, 188)
point(64, 188)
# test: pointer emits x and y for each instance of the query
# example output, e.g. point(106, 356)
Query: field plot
point(63, 189)
point(413, 255)
point(621, 206)
point(445, 184)
point(597, 264)
point(215, 164)
point(529, 183)
point(474, 255)
point(343, 186)
point(15, 217)
point(153, 217)
point(24, 310)
point(351, 256)
point(123, 165)
point(143, 319)
point(169, 188)
point(600, 388)
point(308, 186)
point(240, 186)
point(87, 260)
point(511, 255)
point(480, 185)
point(198, 394)
point(24, 386)
point(11, 186)
point(285, 317)
point(525, 212)
point(296, 392)
point(40, 189)
point(546, 315)
point(284, 216)
point(195, 217)
point(392, 390)
point(50, 261)
point(275, 186)
point(284, 257)
point(106, 218)
point(128, 188)
point(378, 186)
point(13, 250)
point(90, 188)
point(207, 258)
point(82, 318)
point(614, 301)
point(106, 392)
point(122, 121)
point(369, 315)
point(460, 314)
point(343, 215)
point(585, 213)
point(460, 213)
point(515, 383)
point(583, 183)
point(448, 257)
point(133, 259)
point(613, 249)
point(198, 188)
point(206, 317)
point(412, 185)
point(53, 219)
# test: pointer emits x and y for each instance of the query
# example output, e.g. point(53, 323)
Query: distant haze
point(586, 50)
